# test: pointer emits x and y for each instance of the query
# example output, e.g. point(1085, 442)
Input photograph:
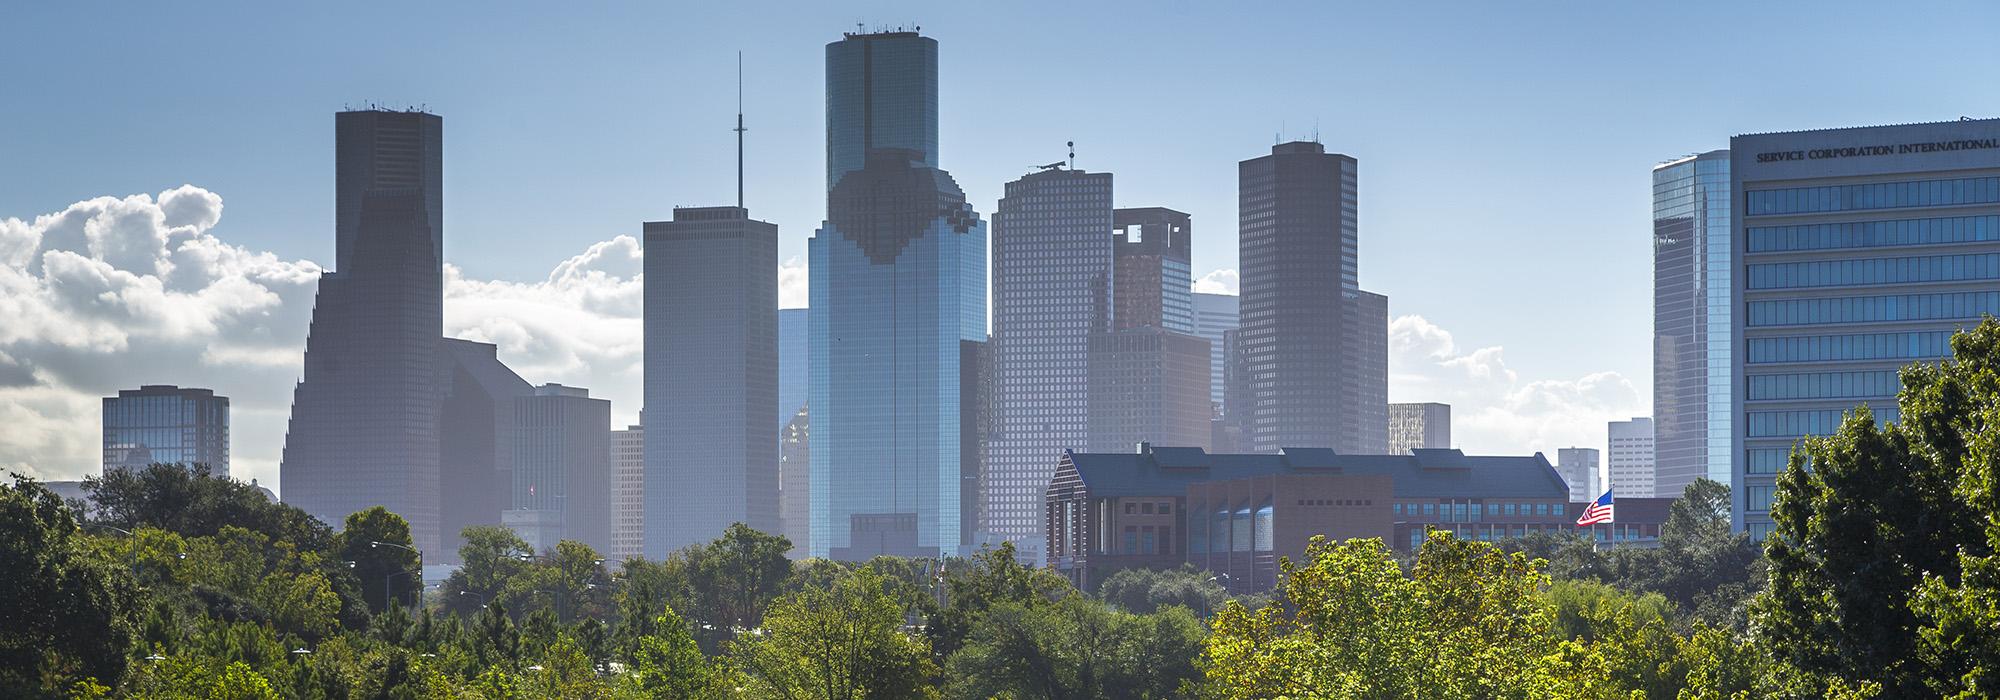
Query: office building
point(562, 469)
point(795, 483)
point(628, 491)
point(366, 414)
point(1415, 426)
point(711, 325)
point(1580, 470)
point(1628, 461)
point(1154, 283)
point(476, 441)
point(1052, 282)
point(791, 364)
point(1148, 384)
point(1215, 314)
point(1315, 344)
point(898, 314)
point(164, 424)
point(1858, 251)
point(1692, 304)
point(1237, 514)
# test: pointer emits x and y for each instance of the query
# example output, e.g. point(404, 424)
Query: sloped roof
point(1157, 471)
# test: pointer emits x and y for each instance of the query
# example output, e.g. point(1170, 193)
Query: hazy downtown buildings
point(1316, 346)
point(1153, 283)
point(365, 416)
point(628, 491)
point(791, 364)
point(1148, 385)
point(1052, 282)
point(165, 424)
point(1580, 470)
point(1857, 251)
point(1215, 314)
point(476, 440)
point(1692, 304)
point(1628, 461)
point(898, 314)
point(711, 325)
point(562, 468)
point(795, 483)
point(1415, 426)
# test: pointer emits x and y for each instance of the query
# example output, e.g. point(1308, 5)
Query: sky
point(166, 170)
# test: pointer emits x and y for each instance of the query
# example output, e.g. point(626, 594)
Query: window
point(1541, 509)
point(1556, 509)
point(1867, 346)
point(1794, 423)
point(1758, 497)
point(1430, 509)
point(1397, 509)
point(1131, 508)
point(1823, 385)
point(1767, 460)
point(1868, 234)
point(1876, 195)
point(1146, 508)
point(1900, 307)
point(1166, 509)
point(1239, 535)
point(1265, 539)
point(1836, 273)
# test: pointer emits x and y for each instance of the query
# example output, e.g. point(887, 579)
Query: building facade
point(897, 314)
point(1582, 472)
point(1152, 272)
point(1628, 459)
point(1415, 426)
point(1148, 384)
point(1692, 304)
point(562, 469)
point(791, 364)
point(164, 424)
point(711, 325)
point(1316, 346)
point(628, 491)
point(795, 483)
point(365, 424)
point(1215, 314)
point(1052, 290)
point(1857, 251)
point(476, 441)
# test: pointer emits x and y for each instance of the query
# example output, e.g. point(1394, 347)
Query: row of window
point(1836, 273)
point(1791, 423)
point(1472, 512)
point(1823, 385)
point(1869, 234)
point(1878, 195)
point(1870, 346)
point(1767, 460)
point(1900, 307)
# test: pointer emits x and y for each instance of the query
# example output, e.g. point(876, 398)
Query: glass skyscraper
point(897, 319)
point(1214, 315)
point(1691, 310)
point(1857, 251)
point(166, 425)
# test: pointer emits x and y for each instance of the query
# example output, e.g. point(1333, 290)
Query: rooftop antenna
point(1315, 129)
point(739, 130)
point(1072, 155)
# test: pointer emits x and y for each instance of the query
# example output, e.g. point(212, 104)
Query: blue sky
point(1504, 147)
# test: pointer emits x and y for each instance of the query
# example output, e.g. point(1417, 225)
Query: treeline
point(1880, 581)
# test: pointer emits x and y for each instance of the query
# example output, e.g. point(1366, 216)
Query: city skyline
point(53, 441)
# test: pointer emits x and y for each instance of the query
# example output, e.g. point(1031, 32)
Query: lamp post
point(378, 544)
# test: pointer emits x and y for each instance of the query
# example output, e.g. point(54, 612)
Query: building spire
point(739, 130)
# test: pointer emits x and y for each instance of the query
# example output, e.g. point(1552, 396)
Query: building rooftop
point(1959, 120)
point(1427, 473)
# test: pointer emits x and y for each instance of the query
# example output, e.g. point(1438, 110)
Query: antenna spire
point(739, 129)
point(1072, 155)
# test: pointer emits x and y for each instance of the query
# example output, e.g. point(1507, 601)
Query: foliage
point(1077, 648)
point(389, 564)
point(1145, 590)
point(843, 643)
point(65, 615)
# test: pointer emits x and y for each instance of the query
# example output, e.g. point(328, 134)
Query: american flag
point(1598, 512)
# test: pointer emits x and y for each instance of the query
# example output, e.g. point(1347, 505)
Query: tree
point(982, 581)
point(668, 663)
point(63, 614)
point(387, 572)
point(843, 643)
point(1703, 567)
point(1144, 590)
point(489, 559)
point(735, 577)
point(1076, 648)
point(194, 502)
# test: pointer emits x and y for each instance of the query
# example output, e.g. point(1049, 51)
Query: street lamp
point(378, 544)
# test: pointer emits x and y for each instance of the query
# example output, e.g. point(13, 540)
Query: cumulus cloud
point(792, 281)
point(1217, 282)
point(1495, 410)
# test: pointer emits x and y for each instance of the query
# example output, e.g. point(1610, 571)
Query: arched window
point(1265, 540)
point(1240, 530)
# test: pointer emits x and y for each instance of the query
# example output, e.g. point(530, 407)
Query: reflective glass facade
point(1692, 305)
point(881, 92)
point(1215, 314)
point(166, 425)
point(1861, 250)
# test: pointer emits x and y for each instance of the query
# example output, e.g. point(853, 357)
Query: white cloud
point(1494, 410)
point(792, 281)
point(1217, 282)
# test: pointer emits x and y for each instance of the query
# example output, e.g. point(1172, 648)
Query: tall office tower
point(795, 483)
point(1229, 431)
point(711, 376)
point(476, 443)
point(365, 416)
point(1629, 460)
point(898, 314)
point(1857, 251)
point(628, 491)
point(1148, 385)
point(791, 364)
point(164, 424)
point(1578, 467)
point(562, 468)
point(1419, 426)
point(1154, 282)
point(1052, 282)
point(1692, 304)
point(1215, 314)
point(1318, 356)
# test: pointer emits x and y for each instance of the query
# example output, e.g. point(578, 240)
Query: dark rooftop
point(1429, 473)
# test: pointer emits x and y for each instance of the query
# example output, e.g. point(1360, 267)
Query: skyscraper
point(1416, 426)
point(1215, 314)
point(791, 364)
point(795, 483)
point(1315, 344)
point(1052, 280)
point(711, 376)
point(1148, 384)
point(562, 468)
point(365, 416)
point(1856, 251)
point(476, 441)
point(165, 424)
point(628, 491)
point(1628, 461)
point(1579, 468)
point(1692, 304)
point(898, 313)
point(1150, 260)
